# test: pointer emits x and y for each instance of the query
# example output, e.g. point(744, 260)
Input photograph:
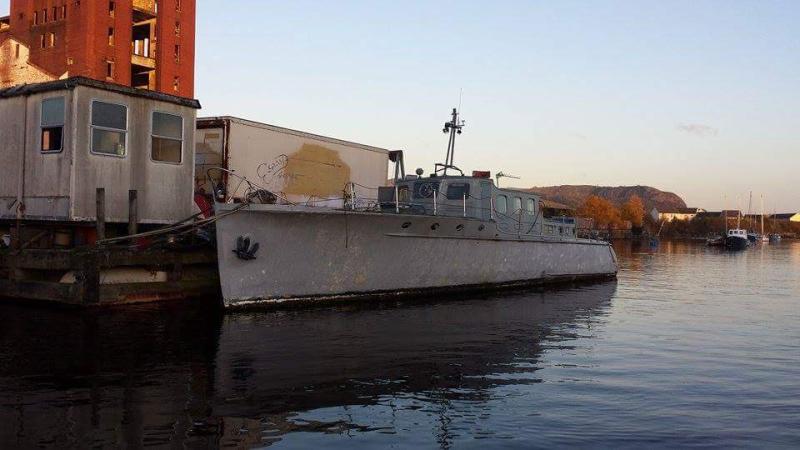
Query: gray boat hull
point(308, 253)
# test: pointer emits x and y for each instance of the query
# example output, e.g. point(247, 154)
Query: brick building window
point(63, 12)
point(111, 8)
point(52, 39)
point(52, 124)
point(166, 138)
point(42, 41)
point(44, 16)
point(111, 36)
point(176, 84)
point(177, 5)
point(55, 13)
point(110, 70)
point(177, 53)
point(36, 17)
point(109, 128)
point(177, 29)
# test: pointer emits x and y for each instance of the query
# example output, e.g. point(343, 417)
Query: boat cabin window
point(52, 125)
point(425, 189)
point(502, 204)
point(167, 138)
point(529, 206)
point(517, 204)
point(457, 191)
point(109, 129)
point(402, 194)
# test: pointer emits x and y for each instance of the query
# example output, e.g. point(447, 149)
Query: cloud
point(698, 129)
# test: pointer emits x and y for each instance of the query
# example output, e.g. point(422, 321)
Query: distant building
point(144, 44)
point(669, 215)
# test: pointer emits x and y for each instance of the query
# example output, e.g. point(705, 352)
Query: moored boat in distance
point(737, 239)
point(447, 232)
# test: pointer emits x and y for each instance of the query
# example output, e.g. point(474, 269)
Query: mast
point(453, 127)
point(762, 214)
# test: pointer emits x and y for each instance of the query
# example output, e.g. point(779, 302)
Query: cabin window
point(530, 206)
point(457, 191)
point(52, 125)
point(403, 194)
point(109, 128)
point(167, 138)
point(517, 204)
point(502, 204)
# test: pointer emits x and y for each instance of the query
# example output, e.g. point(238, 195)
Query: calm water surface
point(691, 347)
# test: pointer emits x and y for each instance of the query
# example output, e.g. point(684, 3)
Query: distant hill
point(574, 196)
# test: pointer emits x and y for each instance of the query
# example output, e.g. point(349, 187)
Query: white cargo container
point(302, 167)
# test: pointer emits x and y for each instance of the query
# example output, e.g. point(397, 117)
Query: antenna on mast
point(453, 127)
point(503, 175)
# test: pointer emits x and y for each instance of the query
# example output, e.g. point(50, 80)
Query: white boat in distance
point(425, 235)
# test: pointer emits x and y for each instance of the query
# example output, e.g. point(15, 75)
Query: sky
point(700, 98)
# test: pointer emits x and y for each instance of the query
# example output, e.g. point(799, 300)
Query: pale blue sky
point(697, 97)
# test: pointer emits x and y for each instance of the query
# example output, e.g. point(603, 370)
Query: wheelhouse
point(514, 211)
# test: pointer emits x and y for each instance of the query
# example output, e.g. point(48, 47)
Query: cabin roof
point(73, 82)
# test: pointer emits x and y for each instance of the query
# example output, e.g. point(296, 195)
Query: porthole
point(460, 228)
point(406, 224)
point(435, 226)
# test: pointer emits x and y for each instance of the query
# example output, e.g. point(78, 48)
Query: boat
point(774, 238)
point(737, 239)
point(444, 233)
point(716, 241)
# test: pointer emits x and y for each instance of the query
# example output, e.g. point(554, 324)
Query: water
point(691, 347)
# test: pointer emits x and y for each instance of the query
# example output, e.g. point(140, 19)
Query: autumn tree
point(633, 210)
point(604, 213)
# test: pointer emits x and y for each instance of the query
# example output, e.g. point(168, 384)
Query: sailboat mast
point(762, 214)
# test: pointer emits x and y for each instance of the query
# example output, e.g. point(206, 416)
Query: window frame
point(532, 203)
point(505, 204)
point(463, 185)
point(515, 200)
point(42, 126)
point(99, 127)
point(152, 135)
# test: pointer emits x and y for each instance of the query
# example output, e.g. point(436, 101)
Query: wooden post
point(133, 213)
point(101, 213)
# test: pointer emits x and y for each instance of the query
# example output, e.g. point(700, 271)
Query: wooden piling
point(101, 213)
point(133, 214)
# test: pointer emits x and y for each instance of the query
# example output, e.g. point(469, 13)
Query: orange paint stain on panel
point(317, 171)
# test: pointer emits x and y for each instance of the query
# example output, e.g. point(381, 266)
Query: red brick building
point(146, 44)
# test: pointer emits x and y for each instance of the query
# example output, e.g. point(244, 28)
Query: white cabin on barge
point(61, 140)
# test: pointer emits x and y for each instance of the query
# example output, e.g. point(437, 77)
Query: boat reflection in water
point(176, 375)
